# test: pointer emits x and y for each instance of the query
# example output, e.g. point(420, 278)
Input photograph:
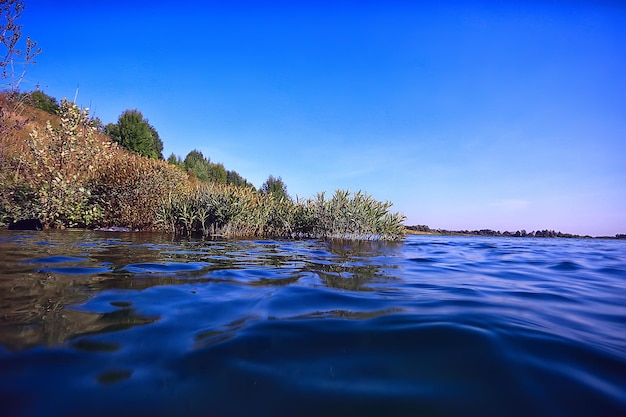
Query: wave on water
point(129, 323)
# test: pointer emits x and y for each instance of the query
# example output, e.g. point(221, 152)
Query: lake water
point(128, 324)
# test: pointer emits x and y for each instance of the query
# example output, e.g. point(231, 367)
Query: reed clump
point(222, 210)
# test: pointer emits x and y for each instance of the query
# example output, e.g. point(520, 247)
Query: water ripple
point(98, 323)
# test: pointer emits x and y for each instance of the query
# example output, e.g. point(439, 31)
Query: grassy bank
point(64, 171)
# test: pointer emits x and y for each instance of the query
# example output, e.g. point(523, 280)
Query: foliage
point(275, 187)
point(233, 178)
point(14, 60)
point(134, 133)
point(40, 100)
point(349, 215)
point(72, 176)
point(68, 174)
point(206, 171)
point(130, 187)
point(174, 160)
point(61, 162)
point(213, 209)
point(195, 163)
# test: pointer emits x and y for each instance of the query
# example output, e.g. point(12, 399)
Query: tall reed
point(211, 210)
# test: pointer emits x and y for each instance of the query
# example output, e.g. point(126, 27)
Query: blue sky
point(466, 115)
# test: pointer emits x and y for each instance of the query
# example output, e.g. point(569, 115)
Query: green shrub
point(59, 166)
point(40, 100)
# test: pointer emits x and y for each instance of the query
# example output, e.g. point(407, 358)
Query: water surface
point(126, 324)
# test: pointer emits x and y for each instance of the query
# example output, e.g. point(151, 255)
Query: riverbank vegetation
point(67, 172)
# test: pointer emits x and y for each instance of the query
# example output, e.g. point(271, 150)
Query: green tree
point(174, 160)
point(134, 133)
point(275, 187)
point(203, 169)
point(233, 178)
point(198, 165)
point(158, 143)
point(217, 173)
point(41, 100)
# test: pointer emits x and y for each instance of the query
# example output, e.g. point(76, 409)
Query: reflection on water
point(130, 323)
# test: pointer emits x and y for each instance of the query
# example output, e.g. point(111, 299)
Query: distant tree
point(134, 133)
point(203, 169)
point(198, 165)
point(41, 100)
point(175, 160)
point(158, 143)
point(276, 187)
point(233, 177)
point(217, 173)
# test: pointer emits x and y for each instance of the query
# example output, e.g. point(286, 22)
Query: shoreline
point(542, 234)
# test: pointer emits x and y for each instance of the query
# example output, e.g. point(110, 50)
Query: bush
point(40, 100)
point(59, 166)
point(74, 177)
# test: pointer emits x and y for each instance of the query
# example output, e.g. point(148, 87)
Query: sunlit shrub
point(60, 163)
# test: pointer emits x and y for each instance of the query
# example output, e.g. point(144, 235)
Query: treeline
point(201, 167)
point(488, 232)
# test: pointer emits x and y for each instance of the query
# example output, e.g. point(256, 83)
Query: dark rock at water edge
point(27, 224)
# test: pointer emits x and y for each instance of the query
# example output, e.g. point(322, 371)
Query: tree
point(41, 100)
point(276, 187)
point(158, 143)
point(198, 165)
point(206, 171)
point(233, 178)
point(217, 173)
point(64, 161)
point(174, 160)
point(14, 60)
point(134, 133)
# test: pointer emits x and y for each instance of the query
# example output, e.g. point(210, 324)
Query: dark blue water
point(129, 324)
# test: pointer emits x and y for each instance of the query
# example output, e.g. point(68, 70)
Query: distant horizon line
point(545, 233)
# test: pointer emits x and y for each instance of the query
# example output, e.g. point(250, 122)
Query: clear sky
point(466, 115)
